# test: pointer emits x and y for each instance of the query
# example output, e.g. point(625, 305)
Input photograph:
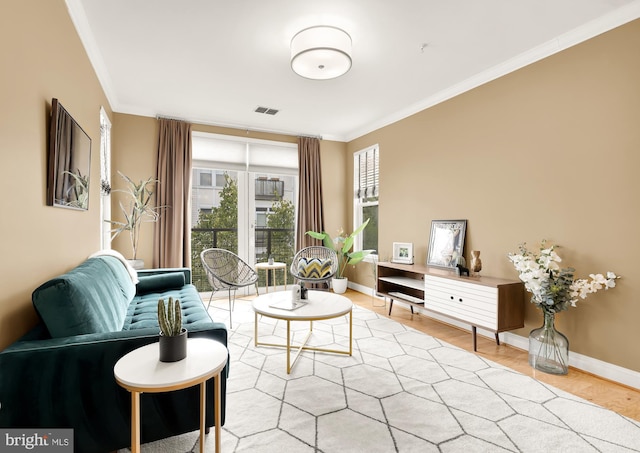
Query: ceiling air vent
point(266, 110)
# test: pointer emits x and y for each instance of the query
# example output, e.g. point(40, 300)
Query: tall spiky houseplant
point(137, 209)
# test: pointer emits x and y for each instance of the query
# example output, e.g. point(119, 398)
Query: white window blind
point(368, 183)
point(236, 153)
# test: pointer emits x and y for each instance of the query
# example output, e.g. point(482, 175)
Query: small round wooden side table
point(141, 371)
point(273, 267)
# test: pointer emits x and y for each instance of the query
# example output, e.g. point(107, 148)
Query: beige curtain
point(310, 211)
point(172, 246)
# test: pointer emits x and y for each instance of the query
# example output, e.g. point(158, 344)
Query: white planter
point(339, 285)
point(137, 264)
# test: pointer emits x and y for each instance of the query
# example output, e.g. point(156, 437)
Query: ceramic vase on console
point(548, 348)
point(476, 262)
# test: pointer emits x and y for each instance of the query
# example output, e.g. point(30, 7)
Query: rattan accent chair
point(226, 271)
point(308, 253)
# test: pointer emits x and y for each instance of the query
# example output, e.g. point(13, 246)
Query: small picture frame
point(402, 253)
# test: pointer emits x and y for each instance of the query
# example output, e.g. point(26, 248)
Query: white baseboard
point(582, 362)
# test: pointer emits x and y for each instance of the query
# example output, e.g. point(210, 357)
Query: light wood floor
point(624, 400)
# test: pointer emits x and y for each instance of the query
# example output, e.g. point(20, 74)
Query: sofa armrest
point(69, 383)
point(165, 270)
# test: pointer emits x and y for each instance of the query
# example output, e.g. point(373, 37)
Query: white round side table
point(141, 371)
point(273, 267)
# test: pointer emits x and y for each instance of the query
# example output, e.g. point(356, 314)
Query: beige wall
point(134, 153)
point(550, 151)
point(42, 58)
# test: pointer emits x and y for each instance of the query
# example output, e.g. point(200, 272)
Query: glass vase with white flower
point(553, 289)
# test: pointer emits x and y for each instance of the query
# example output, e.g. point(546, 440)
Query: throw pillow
point(314, 268)
point(160, 283)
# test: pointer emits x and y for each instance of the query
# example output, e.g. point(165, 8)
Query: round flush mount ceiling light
point(321, 52)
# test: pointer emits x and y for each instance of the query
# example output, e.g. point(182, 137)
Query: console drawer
point(475, 304)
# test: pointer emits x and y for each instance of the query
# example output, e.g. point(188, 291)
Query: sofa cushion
point(314, 268)
point(91, 298)
point(143, 310)
point(159, 282)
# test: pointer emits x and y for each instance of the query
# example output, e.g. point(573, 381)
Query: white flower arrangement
point(553, 288)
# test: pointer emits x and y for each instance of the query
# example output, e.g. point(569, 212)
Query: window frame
point(105, 179)
point(358, 204)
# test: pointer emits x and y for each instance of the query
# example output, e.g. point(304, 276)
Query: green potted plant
point(173, 337)
point(137, 209)
point(342, 244)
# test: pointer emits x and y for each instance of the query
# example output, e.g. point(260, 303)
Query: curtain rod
point(161, 117)
point(246, 129)
point(266, 131)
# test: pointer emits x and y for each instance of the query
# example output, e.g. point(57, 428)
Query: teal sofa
point(60, 374)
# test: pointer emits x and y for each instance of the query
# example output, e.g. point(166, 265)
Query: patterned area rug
point(400, 391)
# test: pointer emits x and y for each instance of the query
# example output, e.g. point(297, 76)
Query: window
point(250, 208)
point(366, 184)
point(105, 179)
point(206, 179)
point(269, 188)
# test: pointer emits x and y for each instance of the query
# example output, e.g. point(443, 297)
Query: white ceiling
point(215, 61)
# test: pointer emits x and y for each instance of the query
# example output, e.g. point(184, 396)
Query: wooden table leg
point(216, 411)
point(473, 333)
point(351, 332)
point(203, 413)
point(288, 346)
point(255, 329)
point(135, 422)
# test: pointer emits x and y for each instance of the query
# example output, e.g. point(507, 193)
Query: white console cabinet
point(491, 303)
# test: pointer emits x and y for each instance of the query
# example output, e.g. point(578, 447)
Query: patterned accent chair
point(226, 271)
point(315, 265)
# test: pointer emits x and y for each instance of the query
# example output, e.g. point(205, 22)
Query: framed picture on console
point(446, 243)
point(402, 253)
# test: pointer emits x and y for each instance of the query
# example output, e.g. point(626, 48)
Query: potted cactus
point(173, 337)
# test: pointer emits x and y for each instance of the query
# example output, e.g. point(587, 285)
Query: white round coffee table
point(141, 371)
point(319, 305)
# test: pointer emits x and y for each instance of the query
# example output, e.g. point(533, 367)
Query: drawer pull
point(459, 300)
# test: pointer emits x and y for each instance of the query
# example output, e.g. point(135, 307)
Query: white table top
point(275, 265)
point(141, 369)
point(320, 305)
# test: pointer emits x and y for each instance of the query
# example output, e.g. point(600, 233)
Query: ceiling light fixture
point(321, 53)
